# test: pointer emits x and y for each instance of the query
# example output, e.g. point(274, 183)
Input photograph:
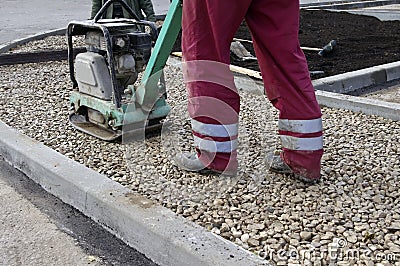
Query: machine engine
point(130, 54)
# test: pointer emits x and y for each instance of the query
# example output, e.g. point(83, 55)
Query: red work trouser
point(208, 27)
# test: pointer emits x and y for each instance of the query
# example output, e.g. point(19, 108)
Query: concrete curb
point(12, 44)
point(359, 104)
point(355, 80)
point(348, 4)
point(153, 230)
point(329, 90)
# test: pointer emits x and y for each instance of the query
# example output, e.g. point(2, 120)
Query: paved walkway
point(388, 12)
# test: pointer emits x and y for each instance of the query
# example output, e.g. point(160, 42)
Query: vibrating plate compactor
point(108, 100)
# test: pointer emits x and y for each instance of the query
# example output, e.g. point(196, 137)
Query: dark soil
point(362, 41)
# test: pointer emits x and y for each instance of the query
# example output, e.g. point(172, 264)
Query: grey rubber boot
point(191, 162)
point(280, 167)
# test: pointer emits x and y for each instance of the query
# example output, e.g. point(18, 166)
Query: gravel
point(57, 42)
point(350, 218)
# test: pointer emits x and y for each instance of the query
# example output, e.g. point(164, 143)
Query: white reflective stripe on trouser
point(302, 144)
point(301, 126)
point(215, 130)
point(215, 146)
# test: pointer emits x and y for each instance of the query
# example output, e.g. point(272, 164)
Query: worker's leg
point(274, 26)
point(208, 27)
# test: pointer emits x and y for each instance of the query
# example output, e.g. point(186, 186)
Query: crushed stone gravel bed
point(56, 42)
point(351, 218)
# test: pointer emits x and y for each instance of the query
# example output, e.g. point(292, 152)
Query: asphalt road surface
point(21, 18)
point(38, 229)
